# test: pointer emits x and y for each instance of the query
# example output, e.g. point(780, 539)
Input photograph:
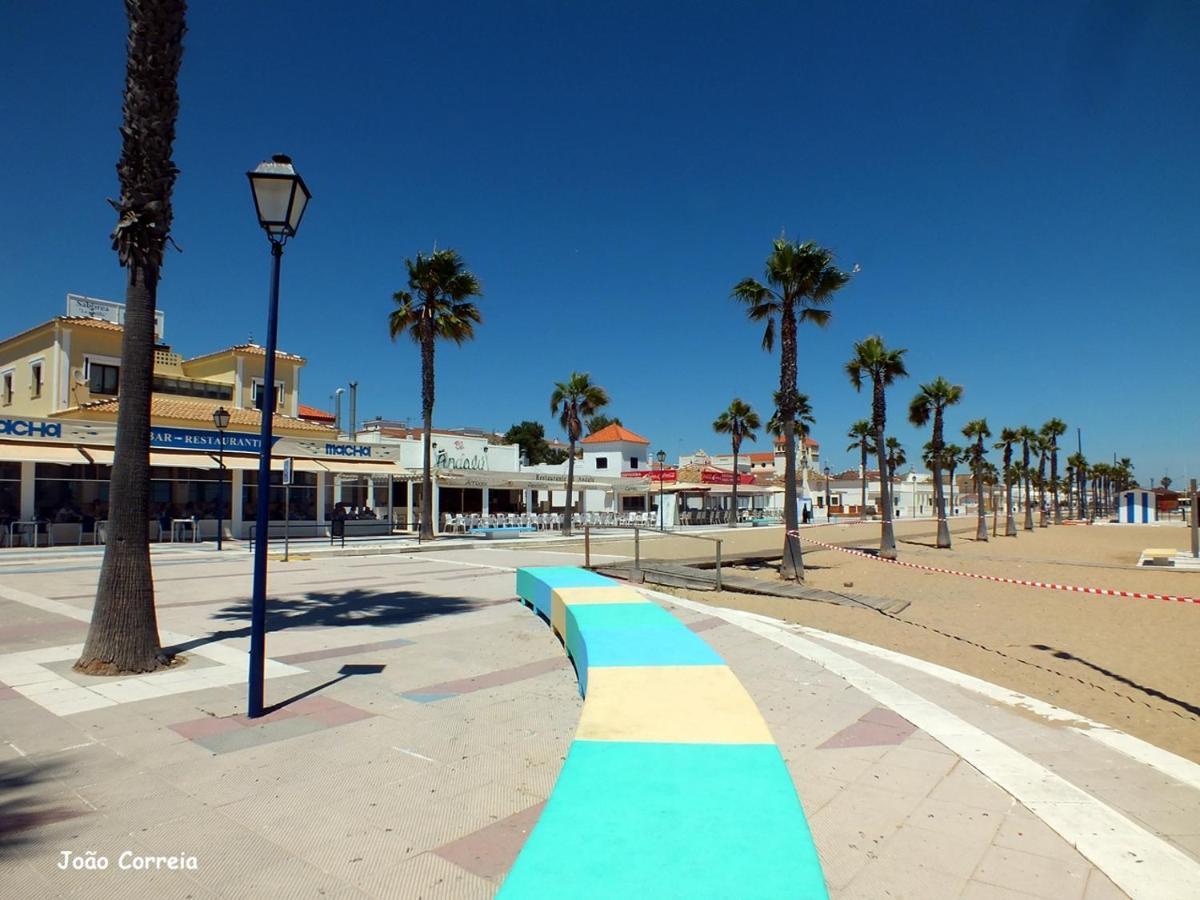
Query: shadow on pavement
point(1148, 691)
point(21, 810)
point(327, 609)
point(347, 671)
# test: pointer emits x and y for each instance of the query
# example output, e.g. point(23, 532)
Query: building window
point(633, 462)
point(103, 379)
point(36, 380)
point(258, 395)
point(7, 389)
point(184, 387)
point(601, 462)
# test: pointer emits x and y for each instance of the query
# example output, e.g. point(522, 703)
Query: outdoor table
point(12, 529)
point(180, 523)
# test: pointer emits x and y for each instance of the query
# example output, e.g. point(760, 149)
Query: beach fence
point(1137, 507)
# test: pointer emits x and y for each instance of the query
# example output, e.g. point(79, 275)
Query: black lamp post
point(221, 422)
point(827, 493)
point(280, 198)
point(661, 456)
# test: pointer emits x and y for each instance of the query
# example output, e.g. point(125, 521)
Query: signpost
point(287, 503)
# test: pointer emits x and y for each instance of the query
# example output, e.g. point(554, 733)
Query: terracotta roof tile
point(614, 432)
point(252, 349)
point(201, 414)
point(316, 415)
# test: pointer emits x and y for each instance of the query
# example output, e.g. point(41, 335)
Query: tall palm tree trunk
point(981, 523)
point(568, 504)
point(733, 514)
point(1043, 514)
point(792, 566)
point(123, 635)
point(427, 396)
point(862, 509)
point(887, 534)
point(1054, 484)
point(939, 492)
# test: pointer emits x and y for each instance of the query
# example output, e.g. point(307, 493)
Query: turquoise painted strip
point(535, 584)
point(669, 820)
point(631, 634)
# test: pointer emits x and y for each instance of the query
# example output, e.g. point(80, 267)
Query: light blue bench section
point(645, 820)
point(535, 589)
point(631, 634)
point(502, 530)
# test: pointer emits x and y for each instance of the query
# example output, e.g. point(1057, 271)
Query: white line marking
point(414, 753)
point(459, 562)
point(1139, 863)
point(1183, 770)
point(20, 752)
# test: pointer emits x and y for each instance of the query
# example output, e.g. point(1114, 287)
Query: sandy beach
point(1132, 664)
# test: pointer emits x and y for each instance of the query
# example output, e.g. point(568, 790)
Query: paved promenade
point(422, 715)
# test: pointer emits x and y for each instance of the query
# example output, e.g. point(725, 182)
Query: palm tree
point(1052, 431)
point(895, 457)
point(1008, 437)
point(436, 305)
point(873, 359)
point(1042, 444)
point(932, 400)
point(123, 635)
point(1026, 435)
point(1079, 466)
point(739, 421)
point(577, 398)
point(979, 431)
point(953, 455)
point(801, 281)
point(862, 440)
point(803, 417)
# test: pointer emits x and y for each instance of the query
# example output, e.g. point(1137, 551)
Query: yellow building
point(59, 388)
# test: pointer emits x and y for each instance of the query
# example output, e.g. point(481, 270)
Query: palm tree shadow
point(327, 609)
point(918, 543)
point(1148, 691)
point(22, 811)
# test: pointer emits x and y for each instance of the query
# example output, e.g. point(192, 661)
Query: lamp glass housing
point(280, 196)
point(221, 418)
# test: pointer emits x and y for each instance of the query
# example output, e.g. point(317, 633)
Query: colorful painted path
point(673, 786)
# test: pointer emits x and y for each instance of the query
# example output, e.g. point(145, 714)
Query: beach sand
point(1132, 664)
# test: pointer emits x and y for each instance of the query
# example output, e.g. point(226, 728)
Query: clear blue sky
point(1019, 183)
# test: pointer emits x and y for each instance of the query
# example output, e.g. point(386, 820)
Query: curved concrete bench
point(673, 786)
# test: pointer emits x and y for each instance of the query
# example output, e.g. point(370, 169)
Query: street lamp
point(280, 198)
point(221, 422)
point(661, 456)
point(827, 493)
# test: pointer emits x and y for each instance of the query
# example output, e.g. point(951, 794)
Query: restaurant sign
point(196, 439)
point(669, 476)
point(724, 478)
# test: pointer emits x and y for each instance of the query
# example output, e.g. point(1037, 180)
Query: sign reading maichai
point(30, 428)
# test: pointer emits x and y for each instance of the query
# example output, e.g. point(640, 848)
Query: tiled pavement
point(421, 721)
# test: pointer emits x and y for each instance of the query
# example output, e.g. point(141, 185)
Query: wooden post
point(718, 564)
point(587, 546)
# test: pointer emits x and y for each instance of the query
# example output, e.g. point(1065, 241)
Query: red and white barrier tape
point(1104, 592)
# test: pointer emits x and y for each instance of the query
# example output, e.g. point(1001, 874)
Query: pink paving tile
point(490, 852)
point(496, 678)
point(206, 727)
point(7, 693)
point(277, 715)
point(881, 716)
point(342, 714)
point(878, 728)
point(314, 703)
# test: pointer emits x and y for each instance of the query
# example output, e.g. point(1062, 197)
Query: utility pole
point(1195, 528)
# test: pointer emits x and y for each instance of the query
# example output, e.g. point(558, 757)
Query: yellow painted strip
point(561, 598)
point(670, 704)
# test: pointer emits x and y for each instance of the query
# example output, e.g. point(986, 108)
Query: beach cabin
point(1136, 507)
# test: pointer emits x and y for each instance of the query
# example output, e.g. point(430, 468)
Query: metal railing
point(637, 544)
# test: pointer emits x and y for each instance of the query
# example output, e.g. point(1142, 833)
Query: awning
point(48, 453)
point(249, 463)
point(365, 467)
point(183, 460)
point(101, 456)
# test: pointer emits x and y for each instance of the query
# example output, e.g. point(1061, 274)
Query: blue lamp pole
point(280, 197)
